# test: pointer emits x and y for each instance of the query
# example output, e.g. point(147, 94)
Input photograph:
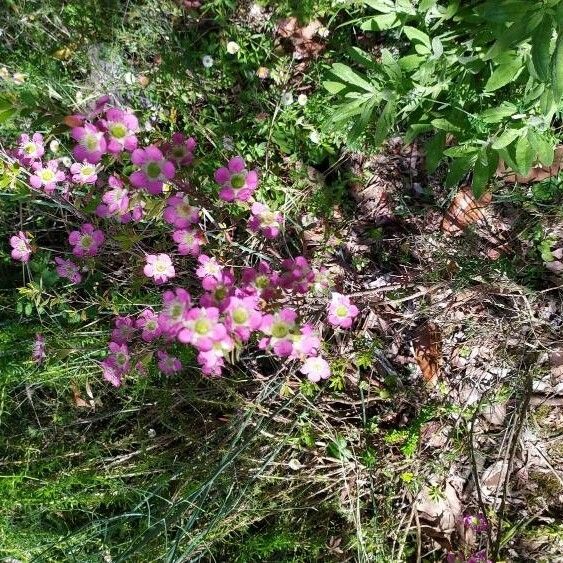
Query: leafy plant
point(481, 81)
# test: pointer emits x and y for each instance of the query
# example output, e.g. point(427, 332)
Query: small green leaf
point(417, 36)
point(381, 23)
point(524, 155)
point(557, 69)
point(411, 62)
point(333, 87)
point(345, 73)
point(506, 138)
point(542, 146)
point(384, 6)
point(391, 66)
point(434, 149)
point(459, 167)
point(496, 115)
point(444, 125)
point(505, 73)
point(541, 43)
point(480, 174)
point(385, 122)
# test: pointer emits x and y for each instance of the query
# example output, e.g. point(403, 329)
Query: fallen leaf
point(536, 174)
point(464, 210)
point(78, 401)
point(556, 363)
point(299, 39)
point(427, 345)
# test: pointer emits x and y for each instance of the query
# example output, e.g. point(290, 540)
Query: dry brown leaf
point(299, 39)
point(536, 174)
point(78, 401)
point(464, 210)
point(427, 345)
point(556, 363)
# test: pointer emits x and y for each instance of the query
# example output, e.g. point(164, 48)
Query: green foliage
point(480, 81)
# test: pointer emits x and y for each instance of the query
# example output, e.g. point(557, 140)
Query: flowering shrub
point(117, 179)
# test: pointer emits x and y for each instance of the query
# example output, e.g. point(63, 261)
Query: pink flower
point(46, 176)
point(30, 149)
point(264, 221)
point(124, 330)
point(305, 344)
point(218, 290)
point(148, 322)
point(68, 269)
point(202, 328)
point(84, 173)
point(479, 557)
point(38, 354)
point(176, 305)
point(299, 275)
point(476, 523)
point(159, 267)
point(242, 316)
point(236, 182)
point(209, 267)
point(180, 150)
point(179, 213)
point(315, 369)
point(189, 241)
point(168, 365)
point(111, 372)
point(115, 201)
point(153, 171)
point(21, 246)
point(86, 241)
point(212, 361)
point(119, 356)
point(91, 143)
point(341, 311)
point(279, 327)
point(120, 127)
point(261, 281)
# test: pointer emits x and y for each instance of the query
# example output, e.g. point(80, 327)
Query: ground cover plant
point(280, 281)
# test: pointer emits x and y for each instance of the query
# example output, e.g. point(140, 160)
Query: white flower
point(287, 99)
point(4, 72)
point(129, 78)
point(66, 161)
point(302, 99)
point(54, 145)
point(18, 78)
point(207, 61)
point(323, 32)
point(314, 137)
point(233, 47)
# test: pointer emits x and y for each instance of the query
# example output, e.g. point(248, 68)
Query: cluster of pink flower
point(226, 316)
point(229, 312)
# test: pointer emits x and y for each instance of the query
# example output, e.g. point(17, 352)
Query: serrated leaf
point(557, 69)
point(504, 74)
point(541, 43)
point(506, 138)
point(415, 35)
point(347, 75)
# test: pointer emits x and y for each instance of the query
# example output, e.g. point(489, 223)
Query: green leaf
point(481, 174)
point(425, 5)
point(339, 448)
point(362, 58)
point(415, 130)
point(385, 6)
point(381, 23)
point(506, 138)
point(385, 121)
point(504, 74)
point(391, 66)
point(557, 69)
point(434, 149)
point(7, 114)
point(524, 155)
point(496, 115)
point(415, 35)
point(543, 147)
point(411, 62)
point(444, 125)
point(459, 167)
point(437, 48)
point(333, 87)
point(541, 43)
point(365, 116)
point(406, 7)
point(345, 73)
point(516, 33)
point(461, 151)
